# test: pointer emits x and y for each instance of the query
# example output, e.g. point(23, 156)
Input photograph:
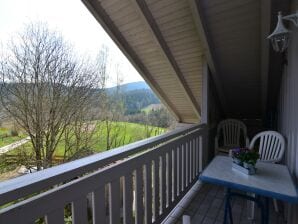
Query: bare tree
point(112, 102)
point(79, 136)
point(43, 85)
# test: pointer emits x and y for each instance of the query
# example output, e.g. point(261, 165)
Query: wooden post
point(205, 89)
point(204, 112)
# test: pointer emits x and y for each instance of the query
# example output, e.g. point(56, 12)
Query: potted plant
point(250, 158)
point(237, 155)
point(245, 158)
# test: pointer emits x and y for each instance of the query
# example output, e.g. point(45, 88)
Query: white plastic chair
point(271, 148)
point(231, 132)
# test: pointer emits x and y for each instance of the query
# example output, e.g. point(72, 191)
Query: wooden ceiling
point(166, 40)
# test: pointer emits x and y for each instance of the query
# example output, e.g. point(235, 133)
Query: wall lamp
point(280, 36)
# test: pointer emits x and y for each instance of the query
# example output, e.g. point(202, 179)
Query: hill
point(136, 100)
point(136, 95)
point(130, 86)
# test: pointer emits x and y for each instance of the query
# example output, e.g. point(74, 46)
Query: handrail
point(23, 186)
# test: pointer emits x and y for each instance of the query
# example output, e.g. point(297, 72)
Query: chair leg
point(186, 219)
point(275, 203)
point(251, 207)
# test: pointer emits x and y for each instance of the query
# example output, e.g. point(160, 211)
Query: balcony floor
point(207, 207)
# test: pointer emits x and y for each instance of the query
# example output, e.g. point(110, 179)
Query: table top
point(271, 180)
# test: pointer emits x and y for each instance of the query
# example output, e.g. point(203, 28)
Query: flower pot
point(242, 169)
point(237, 161)
point(250, 167)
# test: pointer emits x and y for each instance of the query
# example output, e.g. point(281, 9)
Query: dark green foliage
point(135, 100)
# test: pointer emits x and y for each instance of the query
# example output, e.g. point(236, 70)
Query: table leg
point(257, 199)
point(230, 212)
point(266, 207)
point(228, 208)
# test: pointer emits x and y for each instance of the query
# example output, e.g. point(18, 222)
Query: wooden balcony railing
point(137, 183)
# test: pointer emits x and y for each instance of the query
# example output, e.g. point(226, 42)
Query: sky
point(73, 20)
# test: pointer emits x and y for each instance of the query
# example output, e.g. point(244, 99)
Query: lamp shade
point(280, 36)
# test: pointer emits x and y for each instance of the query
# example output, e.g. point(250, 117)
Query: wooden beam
point(103, 18)
point(206, 40)
point(150, 23)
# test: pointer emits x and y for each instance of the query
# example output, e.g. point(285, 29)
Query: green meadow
point(7, 138)
point(122, 133)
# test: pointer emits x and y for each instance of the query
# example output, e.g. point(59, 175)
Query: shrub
point(14, 133)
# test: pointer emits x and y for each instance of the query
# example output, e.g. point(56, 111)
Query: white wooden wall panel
point(288, 114)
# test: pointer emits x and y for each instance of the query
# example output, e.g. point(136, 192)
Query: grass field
point(127, 133)
point(6, 138)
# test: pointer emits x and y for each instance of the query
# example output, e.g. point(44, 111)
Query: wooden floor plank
point(208, 207)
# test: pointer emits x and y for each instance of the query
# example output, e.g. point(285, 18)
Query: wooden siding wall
point(288, 112)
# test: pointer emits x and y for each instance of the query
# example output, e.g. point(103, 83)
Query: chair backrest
point(231, 132)
point(271, 146)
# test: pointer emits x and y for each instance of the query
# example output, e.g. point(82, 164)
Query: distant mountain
point(136, 95)
point(131, 86)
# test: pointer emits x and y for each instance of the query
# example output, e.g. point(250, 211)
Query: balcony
point(207, 61)
point(138, 183)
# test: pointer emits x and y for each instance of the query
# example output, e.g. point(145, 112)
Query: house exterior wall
point(288, 111)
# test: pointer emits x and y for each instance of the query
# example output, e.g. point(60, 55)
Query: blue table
point(270, 181)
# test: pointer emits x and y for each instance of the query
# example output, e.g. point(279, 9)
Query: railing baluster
point(156, 189)
point(79, 211)
point(127, 199)
point(170, 178)
point(164, 183)
point(186, 165)
point(98, 206)
point(55, 217)
point(190, 161)
point(200, 159)
point(139, 196)
point(194, 158)
point(175, 173)
point(148, 193)
point(115, 202)
point(182, 173)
